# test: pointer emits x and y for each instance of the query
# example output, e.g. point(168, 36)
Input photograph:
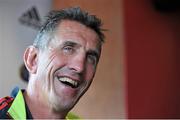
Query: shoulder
point(5, 103)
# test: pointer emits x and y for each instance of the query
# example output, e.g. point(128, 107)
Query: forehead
point(72, 30)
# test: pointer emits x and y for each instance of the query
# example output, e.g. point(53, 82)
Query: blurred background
point(138, 74)
point(20, 21)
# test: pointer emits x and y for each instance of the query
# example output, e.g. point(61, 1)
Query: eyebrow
point(70, 43)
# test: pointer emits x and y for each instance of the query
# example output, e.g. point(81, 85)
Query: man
point(61, 63)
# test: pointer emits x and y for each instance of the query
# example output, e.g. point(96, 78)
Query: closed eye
point(69, 47)
point(92, 57)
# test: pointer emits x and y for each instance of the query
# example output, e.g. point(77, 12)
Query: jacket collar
point(17, 109)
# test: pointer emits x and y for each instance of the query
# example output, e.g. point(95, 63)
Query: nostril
point(77, 67)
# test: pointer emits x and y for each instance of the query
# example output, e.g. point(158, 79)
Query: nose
point(77, 63)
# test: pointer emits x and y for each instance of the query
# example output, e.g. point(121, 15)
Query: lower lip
point(66, 89)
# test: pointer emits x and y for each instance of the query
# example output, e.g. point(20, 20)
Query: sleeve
point(4, 106)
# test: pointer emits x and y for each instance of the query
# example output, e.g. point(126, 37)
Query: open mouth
point(68, 82)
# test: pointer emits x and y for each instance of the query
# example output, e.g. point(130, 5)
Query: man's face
point(67, 66)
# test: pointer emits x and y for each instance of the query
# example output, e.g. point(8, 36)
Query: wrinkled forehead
point(72, 30)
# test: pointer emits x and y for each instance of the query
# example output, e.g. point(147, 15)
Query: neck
point(40, 110)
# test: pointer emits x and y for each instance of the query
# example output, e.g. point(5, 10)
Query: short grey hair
point(75, 14)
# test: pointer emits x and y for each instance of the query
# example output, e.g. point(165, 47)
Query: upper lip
point(68, 74)
point(74, 83)
point(70, 77)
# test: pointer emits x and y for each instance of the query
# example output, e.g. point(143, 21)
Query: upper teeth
point(65, 79)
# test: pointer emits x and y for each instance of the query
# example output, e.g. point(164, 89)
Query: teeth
point(70, 81)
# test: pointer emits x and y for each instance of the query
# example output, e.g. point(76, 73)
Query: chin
point(59, 105)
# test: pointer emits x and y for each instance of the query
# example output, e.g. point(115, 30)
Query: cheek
point(59, 61)
point(90, 72)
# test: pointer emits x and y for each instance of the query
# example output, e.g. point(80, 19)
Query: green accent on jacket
point(18, 110)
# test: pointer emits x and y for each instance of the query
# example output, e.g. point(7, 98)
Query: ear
point(30, 59)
